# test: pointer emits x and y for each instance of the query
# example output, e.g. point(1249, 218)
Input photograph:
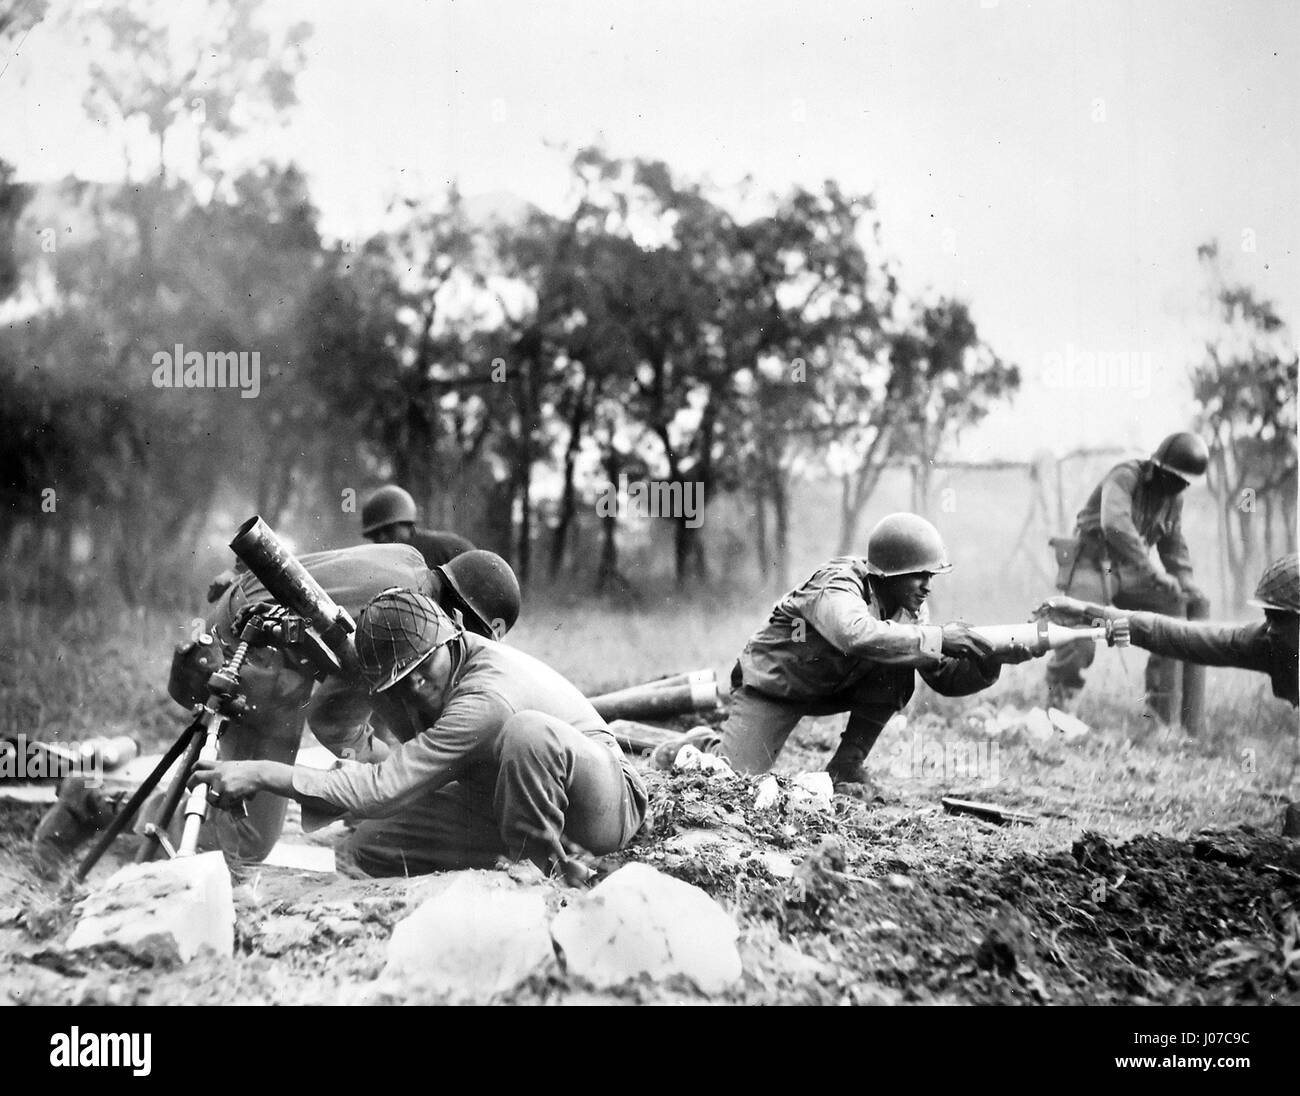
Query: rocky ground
point(1152, 871)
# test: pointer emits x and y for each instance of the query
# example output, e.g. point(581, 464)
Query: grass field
point(963, 881)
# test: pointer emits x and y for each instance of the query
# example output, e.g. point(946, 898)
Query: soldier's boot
point(78, 814)
point(848, 768)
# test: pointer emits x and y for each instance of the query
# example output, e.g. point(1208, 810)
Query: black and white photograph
point(636, 503)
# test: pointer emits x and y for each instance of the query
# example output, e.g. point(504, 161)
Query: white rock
point(1070, 726)
point(639, 921)
point(767, 793)
point(317, 858)
point(164, 910)
point(812, 791)
point(479, 936)
point(777, 863)
point(689, 759)
point(1038, 726)
point(1009, 717)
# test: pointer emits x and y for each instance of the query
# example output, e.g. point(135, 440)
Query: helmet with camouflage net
point(387, 506)
point(396, 631)
point(489, 589)
point(1279, 585)
point(1184, 454)
point(902, 544)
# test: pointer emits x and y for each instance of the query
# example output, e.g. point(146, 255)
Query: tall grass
point(91, 671)
point(74, 675)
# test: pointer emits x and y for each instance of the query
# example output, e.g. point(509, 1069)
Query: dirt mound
point(898, 899)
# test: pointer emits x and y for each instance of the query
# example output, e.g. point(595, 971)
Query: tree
point(13, 197)
point(1245, 390)
point(933, 377)
point(137, 468)
point(17, 19)
point(226, 78)
point(810, 304)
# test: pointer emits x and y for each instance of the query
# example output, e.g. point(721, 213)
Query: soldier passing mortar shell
point(851, 639)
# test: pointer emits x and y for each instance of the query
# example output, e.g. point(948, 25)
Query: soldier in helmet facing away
point(850, 639)
point(1136, 506)
point(388, 517)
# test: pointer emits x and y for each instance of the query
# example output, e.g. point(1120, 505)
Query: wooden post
point(1192, 709)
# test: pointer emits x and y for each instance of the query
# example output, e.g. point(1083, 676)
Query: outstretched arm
point(1202, 642)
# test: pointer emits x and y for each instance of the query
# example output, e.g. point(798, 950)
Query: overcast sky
point(1054, 164)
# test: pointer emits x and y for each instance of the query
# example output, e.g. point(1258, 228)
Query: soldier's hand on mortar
point(959, 641)
point(229, 782)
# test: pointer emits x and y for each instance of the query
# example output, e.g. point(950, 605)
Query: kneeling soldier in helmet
point(849, 640)
point(501, 755)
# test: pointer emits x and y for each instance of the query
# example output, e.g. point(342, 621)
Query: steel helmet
point(387, 506)
point(902, 544)
point(1279, 585)
point(1183, 454)
point(396, 631)
point(488, 587)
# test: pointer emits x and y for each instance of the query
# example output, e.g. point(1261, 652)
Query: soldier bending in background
point(1137, 505)
point(388, 517)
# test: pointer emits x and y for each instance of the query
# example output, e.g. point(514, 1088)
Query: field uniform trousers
point(545, 778)
point(758, 725)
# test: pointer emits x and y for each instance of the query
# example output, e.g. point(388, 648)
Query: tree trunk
point(607, 571)
point(760, 526)
point(860, 486)
point(781, 511)
point(568, 497)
